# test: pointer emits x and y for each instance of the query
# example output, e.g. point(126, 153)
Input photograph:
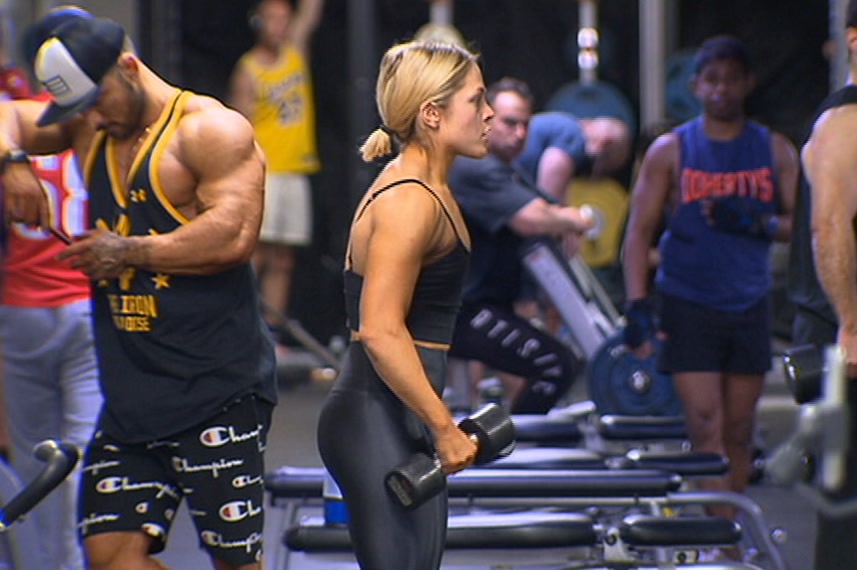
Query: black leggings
point(364, 431)
point(506, 342)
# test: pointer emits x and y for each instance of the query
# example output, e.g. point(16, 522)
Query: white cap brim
point(71, 89)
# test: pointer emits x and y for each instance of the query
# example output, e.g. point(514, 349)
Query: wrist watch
point(13, 156)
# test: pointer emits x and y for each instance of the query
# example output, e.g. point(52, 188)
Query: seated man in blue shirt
point(561, 146)
point(504, 209)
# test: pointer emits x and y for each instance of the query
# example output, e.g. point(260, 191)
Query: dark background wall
point(531, 39)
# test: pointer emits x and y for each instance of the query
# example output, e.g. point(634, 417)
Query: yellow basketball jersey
point(284, 112)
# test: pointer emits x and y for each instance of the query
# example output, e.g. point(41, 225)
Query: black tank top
point(172, 349)
point(437, 293)
point(804, 288)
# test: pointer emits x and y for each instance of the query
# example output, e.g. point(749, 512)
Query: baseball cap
point(41, 29)
point(73, 61)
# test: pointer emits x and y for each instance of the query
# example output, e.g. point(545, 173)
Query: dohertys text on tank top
point(728, 271)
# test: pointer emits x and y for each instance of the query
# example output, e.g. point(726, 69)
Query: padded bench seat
point(684, 463)
point(549, 458)
point(720, 565)
point(500, 530)
point(538, 530)
point(296, 483)
point(559, 429)
point(685, 531)
point(546, 429)
point(639, 428)
point(289, 482)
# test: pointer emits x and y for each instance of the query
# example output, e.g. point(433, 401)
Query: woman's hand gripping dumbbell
point(422, 477)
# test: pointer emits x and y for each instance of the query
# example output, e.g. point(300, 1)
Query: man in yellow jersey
point(271, 86)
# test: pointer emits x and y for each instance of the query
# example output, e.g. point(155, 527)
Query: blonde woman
point(406, 261)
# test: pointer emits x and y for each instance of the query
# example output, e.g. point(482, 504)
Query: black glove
point(734, 215)
point(639, 323)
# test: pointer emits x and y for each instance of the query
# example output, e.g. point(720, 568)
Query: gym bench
point(296, 483)
point(641, 489)
point(559, 535)
point(683, 463)
point(601, 433)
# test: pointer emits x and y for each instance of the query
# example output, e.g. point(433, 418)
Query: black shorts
point(217, 466)
point(700, 339)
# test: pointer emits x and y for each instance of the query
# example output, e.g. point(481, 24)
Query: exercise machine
point(813, 458)
point(19, 539)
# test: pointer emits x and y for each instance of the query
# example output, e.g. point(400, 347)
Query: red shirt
point(32, 276)
point(14, 84)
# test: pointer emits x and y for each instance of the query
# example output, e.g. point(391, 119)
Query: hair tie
point(384, 128)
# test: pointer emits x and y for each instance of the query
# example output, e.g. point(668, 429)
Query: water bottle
point(337, 345)
point(335, 511)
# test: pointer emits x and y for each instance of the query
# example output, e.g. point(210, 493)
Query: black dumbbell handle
point(422, 477)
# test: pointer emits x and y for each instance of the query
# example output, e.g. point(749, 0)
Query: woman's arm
point(397, 235)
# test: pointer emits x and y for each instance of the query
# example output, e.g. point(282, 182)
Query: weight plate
point(620, 383)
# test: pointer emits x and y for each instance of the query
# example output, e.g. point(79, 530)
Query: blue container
point(335, 511)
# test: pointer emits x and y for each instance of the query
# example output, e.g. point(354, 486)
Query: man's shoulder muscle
point(833, 138)
point(207, 123)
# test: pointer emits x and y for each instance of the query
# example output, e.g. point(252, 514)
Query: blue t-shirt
point(489, 192)
point(556, 129)
point(720, 270)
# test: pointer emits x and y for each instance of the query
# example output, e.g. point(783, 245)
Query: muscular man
point(49, 364)
point(272, 87)
point(823, 271)
point(185, 361)
point(729, 185)
point(503, 208)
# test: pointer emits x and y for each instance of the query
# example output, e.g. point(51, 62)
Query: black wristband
point(639, 322)
point(13, 156)
point(639, 304)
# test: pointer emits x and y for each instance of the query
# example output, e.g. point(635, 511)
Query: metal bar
point(587, 41)
point(652, 57)
point(839, 67)
point(363, 60)
point(440, 12)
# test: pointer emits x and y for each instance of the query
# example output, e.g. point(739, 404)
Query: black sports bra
point(437, 293)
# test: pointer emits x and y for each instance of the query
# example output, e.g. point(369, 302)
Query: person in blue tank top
point(728, 184)
point(407, 256)
point(186, 363)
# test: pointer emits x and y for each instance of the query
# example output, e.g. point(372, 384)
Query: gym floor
point(292, 442)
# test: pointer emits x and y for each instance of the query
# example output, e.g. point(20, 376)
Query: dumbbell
point(803, 367)
point(421, 477)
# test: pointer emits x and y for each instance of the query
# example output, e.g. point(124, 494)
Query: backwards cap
point(41, 29)
point(72, 63)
